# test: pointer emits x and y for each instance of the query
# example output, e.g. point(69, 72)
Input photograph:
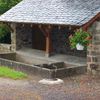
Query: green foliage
point(3, 8)
point(81, 37)
point(7, 4)
point(10, 73)
point(5, 36)
point(4, 30)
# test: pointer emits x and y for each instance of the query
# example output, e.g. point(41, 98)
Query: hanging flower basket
point(80, 40)
point(79, 46)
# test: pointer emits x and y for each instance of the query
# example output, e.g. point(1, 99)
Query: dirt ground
point(82, 87)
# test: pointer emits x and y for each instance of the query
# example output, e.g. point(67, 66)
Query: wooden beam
point(42, 30)
point(48, 45)
point(23, 25)
point(59, 27)
point(47, 33)
point(47, 30)
point(31, 25)
point(88, 24)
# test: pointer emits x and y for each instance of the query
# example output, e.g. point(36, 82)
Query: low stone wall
point(9, 56)
point(43, 72)
point(61, 69)
point(5, 48)
point(29, 69)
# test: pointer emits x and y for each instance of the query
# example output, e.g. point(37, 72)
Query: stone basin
point(50, 70)
point(60, 70)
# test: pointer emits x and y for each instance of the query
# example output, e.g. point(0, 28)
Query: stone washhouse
point(45, 25)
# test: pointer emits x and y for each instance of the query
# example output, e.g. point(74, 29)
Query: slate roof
point(68, 12)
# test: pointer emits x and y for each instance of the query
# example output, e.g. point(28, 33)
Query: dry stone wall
point(5, 48)
point(23, 36)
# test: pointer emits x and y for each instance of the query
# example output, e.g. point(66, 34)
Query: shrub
point(5, 35)
point(7, 4)
point(3, 8)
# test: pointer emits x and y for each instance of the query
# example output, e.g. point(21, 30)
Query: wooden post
point(48, 45)
point(47, 33)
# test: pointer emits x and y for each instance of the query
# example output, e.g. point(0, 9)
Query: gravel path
point(81, 87)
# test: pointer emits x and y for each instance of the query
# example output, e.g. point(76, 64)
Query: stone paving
point(83, 87)
point(38, 57)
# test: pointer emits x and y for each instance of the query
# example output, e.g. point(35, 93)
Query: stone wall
point(5, 48)
point(23, 36)
point(41, 71)
point(29, 69)
point(60, 38)
point(93, 55)
point(9, 56)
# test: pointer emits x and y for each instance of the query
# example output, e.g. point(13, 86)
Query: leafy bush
point(5, 35)
point(3, 8)
point(81, 37)
point(4, 30)
point(7, 4)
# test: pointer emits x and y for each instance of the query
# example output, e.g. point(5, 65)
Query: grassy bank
point(11, 73)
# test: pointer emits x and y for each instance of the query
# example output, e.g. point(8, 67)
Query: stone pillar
point(13, 37)
point(93, 53)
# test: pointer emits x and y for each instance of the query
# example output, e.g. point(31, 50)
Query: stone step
point(30, 60)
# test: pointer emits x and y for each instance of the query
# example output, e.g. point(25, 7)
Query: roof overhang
point(90, 22)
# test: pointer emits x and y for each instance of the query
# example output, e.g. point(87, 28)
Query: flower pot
point(79, 46)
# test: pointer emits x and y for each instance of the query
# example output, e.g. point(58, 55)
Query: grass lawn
point(11, 73)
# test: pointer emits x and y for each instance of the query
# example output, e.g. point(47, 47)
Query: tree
point(7, 4)
point(5, 36)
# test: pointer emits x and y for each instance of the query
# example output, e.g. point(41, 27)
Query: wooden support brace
point(47, 33)
point(88, 24)
point(43, 30)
